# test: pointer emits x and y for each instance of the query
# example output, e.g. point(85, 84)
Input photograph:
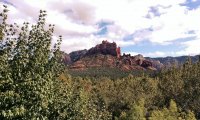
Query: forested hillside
point(34, 84)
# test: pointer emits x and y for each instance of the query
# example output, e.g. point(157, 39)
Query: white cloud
point(132, 53)
point(77, 12)
point(155, 54)
point(194, 0)
point(149, 54)
point(76, 20)
point(192, 48)
point(174, 25)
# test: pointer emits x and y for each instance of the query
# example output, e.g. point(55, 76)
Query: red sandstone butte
point(105, 48)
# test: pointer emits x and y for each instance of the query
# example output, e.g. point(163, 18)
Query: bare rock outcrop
point(105, 48)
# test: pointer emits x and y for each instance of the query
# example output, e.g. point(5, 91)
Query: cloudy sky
point(154, 28)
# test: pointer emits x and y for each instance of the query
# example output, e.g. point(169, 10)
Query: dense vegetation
point(112, 73)
point(35, 85)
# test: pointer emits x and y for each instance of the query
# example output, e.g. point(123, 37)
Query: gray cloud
point(78, 12)
point(69, 33)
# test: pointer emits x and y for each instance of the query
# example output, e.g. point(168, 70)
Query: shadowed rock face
point(146, 64)
point(73, 56)
point(66, 59)
point(76, 55)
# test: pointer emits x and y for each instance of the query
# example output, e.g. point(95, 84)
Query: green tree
point(190, 116)
point(171, 113)
point(28, 69)
point(137, 111)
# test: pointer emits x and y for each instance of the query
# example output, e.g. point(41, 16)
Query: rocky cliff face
point(105, 48)
point(76, 55)
point(108, 54)
point(66, 59)
point(129, 62)
point(73, 56)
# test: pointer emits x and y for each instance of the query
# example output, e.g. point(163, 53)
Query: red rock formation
point(118, 50)
point(137, 60)
point(108, 54)
point(105, 48)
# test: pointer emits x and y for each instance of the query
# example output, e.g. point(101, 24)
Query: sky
point(153, 28)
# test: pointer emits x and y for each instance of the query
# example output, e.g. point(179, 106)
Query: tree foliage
point(28, 69)
point(171, 113)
